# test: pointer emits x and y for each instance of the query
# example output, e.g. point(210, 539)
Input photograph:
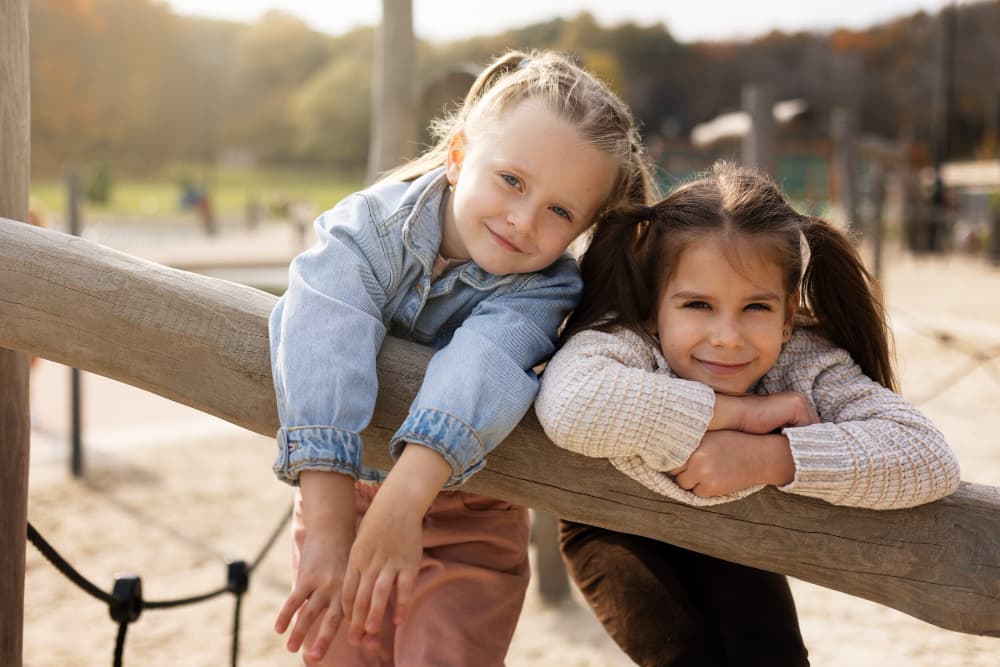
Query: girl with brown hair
point(725, 343)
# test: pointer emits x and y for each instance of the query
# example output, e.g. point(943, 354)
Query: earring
point(786, 333)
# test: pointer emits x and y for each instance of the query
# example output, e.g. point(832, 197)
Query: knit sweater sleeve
point(871, 448)
point(609, 395)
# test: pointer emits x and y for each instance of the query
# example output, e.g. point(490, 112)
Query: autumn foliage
point(131, 83)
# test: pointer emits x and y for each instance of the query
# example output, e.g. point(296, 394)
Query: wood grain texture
point(203, 342)
point(15, 138)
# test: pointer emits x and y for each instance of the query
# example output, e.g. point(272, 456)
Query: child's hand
point(730, 461)
point(386, 555)
point(325, 533)
point(385, 559)
point(763, 414)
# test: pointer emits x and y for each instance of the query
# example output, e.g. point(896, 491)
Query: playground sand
point(171, 494)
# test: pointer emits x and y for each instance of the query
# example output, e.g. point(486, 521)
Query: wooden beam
point(203, 342)
point(394, 90)
point(15, 141)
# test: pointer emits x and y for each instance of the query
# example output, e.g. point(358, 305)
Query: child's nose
point(522, 217)
point(726, 333)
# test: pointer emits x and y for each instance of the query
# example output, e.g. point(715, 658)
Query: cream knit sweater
point(611, 395)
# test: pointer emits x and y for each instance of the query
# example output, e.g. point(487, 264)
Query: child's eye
point(512, 181)
point(697, 305)
point(561, 212)
point(759, 306)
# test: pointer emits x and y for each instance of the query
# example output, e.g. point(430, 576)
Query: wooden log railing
point(203, 342)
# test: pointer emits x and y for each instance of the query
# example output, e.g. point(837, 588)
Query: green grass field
point(230, 190)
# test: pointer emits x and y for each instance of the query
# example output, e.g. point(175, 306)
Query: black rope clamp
point(237, 577)
point(127, 603)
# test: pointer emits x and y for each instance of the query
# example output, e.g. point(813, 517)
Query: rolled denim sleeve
point(325, 333)
point(479, 386)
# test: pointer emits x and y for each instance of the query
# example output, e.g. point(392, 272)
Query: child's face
point(525, 185)
point(720, 324)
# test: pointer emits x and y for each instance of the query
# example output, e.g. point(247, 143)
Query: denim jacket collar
point(423, 229)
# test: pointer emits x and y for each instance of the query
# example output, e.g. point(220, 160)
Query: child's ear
point(455, 156)
point(652, 326)
point(791, 310)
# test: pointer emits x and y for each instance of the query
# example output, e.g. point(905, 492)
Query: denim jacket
point(369, 275)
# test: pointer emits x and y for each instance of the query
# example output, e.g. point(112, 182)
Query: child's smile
point(525, 185)
point(720, 324)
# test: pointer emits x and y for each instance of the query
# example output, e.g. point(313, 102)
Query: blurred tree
point(331, 113)
point(273, 58)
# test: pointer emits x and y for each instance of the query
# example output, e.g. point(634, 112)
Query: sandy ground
point(171, 494)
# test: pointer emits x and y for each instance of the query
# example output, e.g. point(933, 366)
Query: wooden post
point(394, 99)
point(842, 131)
point(15, 141)
point(553, 581)
point(876, 224)
point(758, 144)
point(75, 411)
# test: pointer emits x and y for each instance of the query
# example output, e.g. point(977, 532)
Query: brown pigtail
point(846, 301)
point(619, 285)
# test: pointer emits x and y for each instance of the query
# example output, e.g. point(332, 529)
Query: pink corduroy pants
point(468, 594)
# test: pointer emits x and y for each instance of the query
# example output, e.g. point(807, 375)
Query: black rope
point(272, 539)
point(977, 357)
point(125, 602)
point(60, 564)
point(236, 629)
point(181, 602)
point(120, 644)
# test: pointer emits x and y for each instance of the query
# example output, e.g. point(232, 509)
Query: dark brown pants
point(665, 605)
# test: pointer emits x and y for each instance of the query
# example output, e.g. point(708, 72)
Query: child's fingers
point(359, 613)
point(686, 480)
point(349, 592)
point(380, 598)
point(329, 625)
point(294, 601)
point(405, 583)
point(312, 610)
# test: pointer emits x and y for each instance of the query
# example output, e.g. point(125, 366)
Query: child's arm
point(741, 449)
point(872, 449)
point(325, 333)
point(475, 391)
point(601, 396)
point(329, 514)
point(481, 383)
point(727, 462)
point(754, 413)
point(386, 555)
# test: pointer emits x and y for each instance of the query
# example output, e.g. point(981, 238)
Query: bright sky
point(687, 20)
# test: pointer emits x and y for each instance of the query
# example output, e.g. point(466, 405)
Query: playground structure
point(203, 342)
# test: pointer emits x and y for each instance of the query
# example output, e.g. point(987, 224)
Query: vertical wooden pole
point(759, 142)
point(394, 98)
point(553, 582)
point(842, 132)
point(876, 226)
point(15, 124)
point(75, 412)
